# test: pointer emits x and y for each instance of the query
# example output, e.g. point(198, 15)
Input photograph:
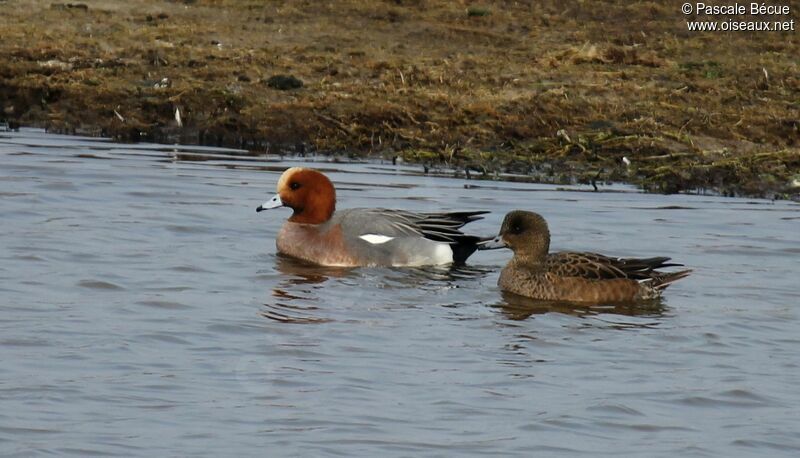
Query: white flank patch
point(433, 253)
point(376, 239)
point(443, 254)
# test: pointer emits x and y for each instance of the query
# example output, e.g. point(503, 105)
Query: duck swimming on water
point(319, 234)
point(572, 276)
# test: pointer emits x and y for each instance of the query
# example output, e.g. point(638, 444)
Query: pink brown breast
point(317, 243)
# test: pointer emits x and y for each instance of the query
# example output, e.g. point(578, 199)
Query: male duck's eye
point(295, 186)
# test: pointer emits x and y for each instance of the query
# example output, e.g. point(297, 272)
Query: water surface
point(145, 313)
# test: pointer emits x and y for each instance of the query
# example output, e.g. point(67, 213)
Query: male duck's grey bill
point(492, 244)
point(275, 202)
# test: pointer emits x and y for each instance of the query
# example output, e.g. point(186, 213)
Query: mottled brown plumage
point(571, 276)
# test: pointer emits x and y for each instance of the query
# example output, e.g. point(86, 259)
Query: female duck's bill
point(572, 276)
point(317, 233)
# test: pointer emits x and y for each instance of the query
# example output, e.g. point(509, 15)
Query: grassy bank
point(561, 90)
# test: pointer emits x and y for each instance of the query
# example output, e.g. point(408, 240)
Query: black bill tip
point(492, 244)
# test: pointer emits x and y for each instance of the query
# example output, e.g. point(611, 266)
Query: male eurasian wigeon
point(363, 236)
point(571, 276)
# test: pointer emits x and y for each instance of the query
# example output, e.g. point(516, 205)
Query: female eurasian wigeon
point(363, 236)
point(571, 276)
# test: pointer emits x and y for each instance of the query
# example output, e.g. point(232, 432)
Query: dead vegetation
point(560, 90)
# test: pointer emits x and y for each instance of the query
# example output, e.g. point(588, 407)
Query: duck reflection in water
point(516, 307)
point(298, 272)
point(310, 289)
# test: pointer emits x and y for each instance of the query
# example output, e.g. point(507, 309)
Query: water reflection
point(295, 297)
point(307, 293)
point(408, 361)
point(517, 307)
point(299, 272)
point(438, 276)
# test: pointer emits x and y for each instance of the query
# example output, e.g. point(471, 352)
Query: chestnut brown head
point(306, 191)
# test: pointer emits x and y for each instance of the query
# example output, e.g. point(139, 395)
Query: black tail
point(465, 246)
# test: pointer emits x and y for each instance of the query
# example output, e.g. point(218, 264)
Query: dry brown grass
point(483, 85)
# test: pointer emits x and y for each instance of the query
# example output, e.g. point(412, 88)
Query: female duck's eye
point(295, 186)
point(516, 229)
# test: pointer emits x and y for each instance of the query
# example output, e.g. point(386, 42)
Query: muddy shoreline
point(561, 91)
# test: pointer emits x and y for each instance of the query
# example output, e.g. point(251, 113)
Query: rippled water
point(145, 313)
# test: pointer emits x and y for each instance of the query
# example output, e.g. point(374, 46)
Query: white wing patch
point(376, 239)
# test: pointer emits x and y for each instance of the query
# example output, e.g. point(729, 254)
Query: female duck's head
point(526, 233)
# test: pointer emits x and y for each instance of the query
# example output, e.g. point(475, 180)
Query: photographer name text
point(771, 17)
point(739, 9)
